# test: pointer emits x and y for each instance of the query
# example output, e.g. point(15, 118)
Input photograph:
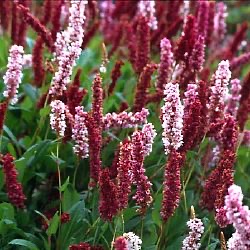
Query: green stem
point(158, 244)
point(142, 225)
point(112, 245)
point(40, 123)
point(122, 222)
point(60, 194)
point(185, 199)
point(75, 172)
point(97, 220)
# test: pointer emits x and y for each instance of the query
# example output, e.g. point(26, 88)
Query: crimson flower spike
point(192, 117)
point(55, 18)
point(131, 41)
point(202, 19)
point(74, 93)
point(5, 13)
point(124, 167)
point(37, 62)
point(3, 109)
point(108, 203)
point(141, 147)
point(187, 40)
point(142, 86)
point(142, 44)
point(95, 144)
point(116, 73)
point(37, 26)
point(210, 27)
point(237, 39)
point(47, 10)
point(13, 187)
point(94, 123)
point(238, 62)
point(221, 177)
point(242, 114)
point(14, 23)
point(172, 184)
point(22, 29)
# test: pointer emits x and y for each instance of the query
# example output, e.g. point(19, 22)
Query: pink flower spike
point(172, 118)
point(166, 63)
point(220, 27)
point(233, 98)
point(13, 76)
point(140, 148)
point(68, 47)
point(147, 9)
point(219, 90)
point(80, 133)
point(239, 216)
point(197, 57)
point(58, 115)
point(125, 119)
point(191, 242)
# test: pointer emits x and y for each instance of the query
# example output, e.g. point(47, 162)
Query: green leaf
point(45, 111)
point(53, 225)
point(25, 243)
point(64, 186)
point(6, 211)
point(42, 215)
point(70, 197)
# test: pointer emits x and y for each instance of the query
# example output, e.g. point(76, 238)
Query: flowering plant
point(116, 117)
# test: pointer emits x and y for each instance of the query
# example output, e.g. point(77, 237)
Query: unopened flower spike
point(105, 60)
point(223, 244)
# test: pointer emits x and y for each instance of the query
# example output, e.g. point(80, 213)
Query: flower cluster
point(134, 241)
point(124, 178)
point(219, 90)
point(166, 63)
point(233, 98)
point(13, 76)
point(239, 216)
point(68, 47)
point(148, 135)
point(246, 138)
point(172, 184)
point(192, 117)
point(3, 109)
point(142, 196)
point(108, 203)
point(80, 133)
point(58, 114)
point(121, 243)
point(172, 118)
point(197, 56)
point(220, 22)
point(192, 241)
point(13, 187)
point(125, 119)
point(147, 9)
